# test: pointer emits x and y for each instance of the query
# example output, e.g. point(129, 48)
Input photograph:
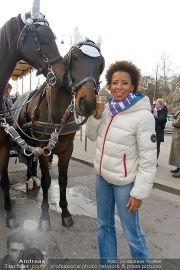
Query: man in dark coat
point(160, 115)
point(174, 158)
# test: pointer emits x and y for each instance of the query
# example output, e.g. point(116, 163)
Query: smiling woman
point(123, 128)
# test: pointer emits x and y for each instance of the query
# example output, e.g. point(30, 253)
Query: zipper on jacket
point(124, 163)
point(107, 129)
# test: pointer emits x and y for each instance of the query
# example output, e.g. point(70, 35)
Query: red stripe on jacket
point(125, 167)
point(107, 129)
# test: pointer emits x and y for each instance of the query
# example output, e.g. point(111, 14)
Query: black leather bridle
point(31, 25)
point(74, 86)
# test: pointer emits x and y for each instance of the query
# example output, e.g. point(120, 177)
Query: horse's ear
point(77, 36)
point(98, 42)
point(36, 9)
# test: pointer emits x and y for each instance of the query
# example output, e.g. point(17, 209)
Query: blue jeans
point(107, 195)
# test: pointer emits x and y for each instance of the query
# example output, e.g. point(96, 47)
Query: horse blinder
point(45, 34)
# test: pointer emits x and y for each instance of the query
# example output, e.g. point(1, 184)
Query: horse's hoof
point(36, 182)
point(11, 223)
point(29, 184)
point(67, 221)
point(44, 225)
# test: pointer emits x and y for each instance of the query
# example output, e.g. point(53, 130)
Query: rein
point(28, 150)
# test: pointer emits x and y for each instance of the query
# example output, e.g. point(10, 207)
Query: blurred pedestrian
point(160, 115)
point(174, 158)
point(8, 102)
point(7, 97)
point(125, 159)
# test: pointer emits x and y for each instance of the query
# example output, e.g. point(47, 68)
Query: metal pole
point(85, 145)
point(165, 81)
point(81, 131)
point(17, 85)
point(22, 85)
point(156, 82)
point(30, 80)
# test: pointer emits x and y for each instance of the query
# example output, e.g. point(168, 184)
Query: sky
point(140, 31)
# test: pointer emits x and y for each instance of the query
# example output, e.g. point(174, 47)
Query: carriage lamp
point(66, 35)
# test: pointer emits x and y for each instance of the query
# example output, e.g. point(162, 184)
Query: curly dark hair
point(126, 66)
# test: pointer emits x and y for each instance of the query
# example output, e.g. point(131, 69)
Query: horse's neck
point(9, 34)
point(54, 104)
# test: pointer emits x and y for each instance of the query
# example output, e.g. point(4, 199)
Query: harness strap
point(36, 110)
point(17, 138)
point(41, 127)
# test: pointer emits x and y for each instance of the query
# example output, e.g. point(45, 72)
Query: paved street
point(159, 215)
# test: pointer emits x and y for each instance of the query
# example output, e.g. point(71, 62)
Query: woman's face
point(121, 85)
point(159, 105)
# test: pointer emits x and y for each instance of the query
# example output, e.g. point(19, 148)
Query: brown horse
point(29, 38)
point(59, 105)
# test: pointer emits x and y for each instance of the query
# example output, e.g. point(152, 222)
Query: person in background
point(7, 97)
point(160, 115)
point(8, 102)
point(174, 158)
point(15, 246)
point(125, 159)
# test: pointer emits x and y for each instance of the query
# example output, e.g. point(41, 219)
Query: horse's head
point(37, 46)
point(85, 65)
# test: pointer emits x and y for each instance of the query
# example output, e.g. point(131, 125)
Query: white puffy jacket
point(126, 147)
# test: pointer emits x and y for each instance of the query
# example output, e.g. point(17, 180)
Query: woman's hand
point(133, 204)
point(100, 105)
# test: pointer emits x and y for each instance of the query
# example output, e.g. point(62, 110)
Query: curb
point(155, 185)
point(88, 163)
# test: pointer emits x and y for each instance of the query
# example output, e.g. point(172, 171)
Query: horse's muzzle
point(85, 107)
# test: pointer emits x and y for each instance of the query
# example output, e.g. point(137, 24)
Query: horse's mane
point(7, 31)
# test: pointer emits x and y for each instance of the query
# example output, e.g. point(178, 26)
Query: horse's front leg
point(63, 162)
point(32, 180)
point(11, 220)
point(44, 221)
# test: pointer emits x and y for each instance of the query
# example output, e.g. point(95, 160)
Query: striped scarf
point(117, 107)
